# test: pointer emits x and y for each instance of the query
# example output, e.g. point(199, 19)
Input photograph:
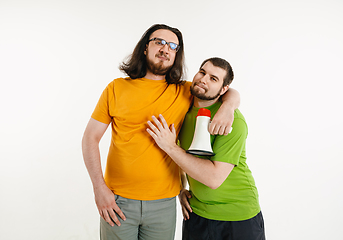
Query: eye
point(173, 46)
point(214, 79)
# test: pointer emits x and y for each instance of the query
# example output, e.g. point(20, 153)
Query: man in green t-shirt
point(222, 202)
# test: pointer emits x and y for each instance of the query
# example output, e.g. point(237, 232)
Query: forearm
point(91, 156)
point(223, 119)
point(202, 170)
point(231, 99)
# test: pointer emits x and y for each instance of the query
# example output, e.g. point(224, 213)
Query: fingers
point(164, 122)
point(173, 129)
point(186, 204)
point(152, 130)
point(108, 208)
point(227, 130)
point(152, 126)
point(215, 129)
point(110, 217)
point(185, 213)
point(186, 208)
point(119, 212)
point(160, 126)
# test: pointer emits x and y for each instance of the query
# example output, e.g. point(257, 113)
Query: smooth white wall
point(56, 57)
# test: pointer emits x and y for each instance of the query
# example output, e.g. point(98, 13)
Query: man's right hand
point(107, 206)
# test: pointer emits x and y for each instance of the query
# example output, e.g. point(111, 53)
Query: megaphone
point(201, 144)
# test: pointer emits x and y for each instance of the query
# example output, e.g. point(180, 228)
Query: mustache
point(200, 85)
point(161, 54)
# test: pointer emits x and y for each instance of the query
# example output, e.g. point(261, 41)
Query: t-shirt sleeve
point(101, 112)
point(229, 148)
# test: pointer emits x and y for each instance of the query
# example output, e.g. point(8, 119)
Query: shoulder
point(187, 89)
point(183, 89)
point(187, 83)
point(117, 81)
point(183, 85)
point(239, 121)
point(238, 115)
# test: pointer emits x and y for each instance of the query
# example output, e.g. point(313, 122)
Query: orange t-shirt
point(136, 167)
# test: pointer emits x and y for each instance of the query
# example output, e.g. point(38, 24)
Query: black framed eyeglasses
point(161, 42)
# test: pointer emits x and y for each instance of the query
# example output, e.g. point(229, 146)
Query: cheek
point(195, 81)
point(150, 51)
point(196, 77)
point(150, 55)
point(172, 57)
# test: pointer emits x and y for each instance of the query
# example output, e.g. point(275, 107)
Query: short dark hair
point(136, 65)
point(222, 63)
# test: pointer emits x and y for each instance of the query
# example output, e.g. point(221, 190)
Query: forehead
point(212, 70)
point(165, 34)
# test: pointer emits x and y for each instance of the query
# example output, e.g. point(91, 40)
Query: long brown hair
point(136, 66)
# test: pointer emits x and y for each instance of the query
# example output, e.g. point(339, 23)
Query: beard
point(203, 96)
point(157, 68)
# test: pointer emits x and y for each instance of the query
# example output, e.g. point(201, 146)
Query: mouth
point(162, 57)
point(201, 86)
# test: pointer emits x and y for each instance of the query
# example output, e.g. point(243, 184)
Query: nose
point(165, 48)
point(204, 79)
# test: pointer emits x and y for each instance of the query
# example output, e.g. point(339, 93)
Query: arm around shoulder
point(223, 119)
point(231, 98)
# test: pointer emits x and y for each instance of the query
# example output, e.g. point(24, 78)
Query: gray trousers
point(145, 220)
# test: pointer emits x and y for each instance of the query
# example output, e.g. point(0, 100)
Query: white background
point(56, 57)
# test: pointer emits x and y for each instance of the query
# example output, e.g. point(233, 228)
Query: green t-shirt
point(237, 198)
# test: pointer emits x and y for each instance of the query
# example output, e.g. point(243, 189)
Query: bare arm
point(222, 121)
point(104, 197)
point(210, 173)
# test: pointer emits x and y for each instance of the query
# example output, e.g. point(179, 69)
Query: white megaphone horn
point(201, 144)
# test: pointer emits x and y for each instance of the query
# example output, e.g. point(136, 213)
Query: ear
point(224, 89)
point(146, 48)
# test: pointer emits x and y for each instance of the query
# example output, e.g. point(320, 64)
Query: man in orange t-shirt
point(136, 197)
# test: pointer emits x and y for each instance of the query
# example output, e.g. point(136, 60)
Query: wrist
point(182, 191)
point(171, 149)
point(99, 186)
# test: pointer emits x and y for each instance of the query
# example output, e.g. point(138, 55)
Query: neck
point(151, 76)
point(204, 103)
